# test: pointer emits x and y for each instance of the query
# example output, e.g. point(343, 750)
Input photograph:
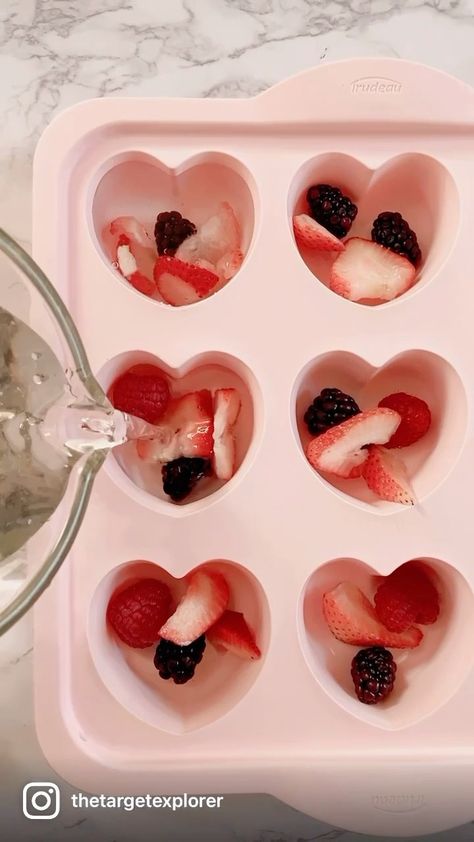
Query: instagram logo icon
point(41, 800)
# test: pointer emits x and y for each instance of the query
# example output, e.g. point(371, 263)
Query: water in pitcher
point(47, 422)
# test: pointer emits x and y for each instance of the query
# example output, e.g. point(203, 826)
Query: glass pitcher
point(56, 428)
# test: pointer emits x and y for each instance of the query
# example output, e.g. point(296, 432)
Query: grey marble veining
point(54, 53)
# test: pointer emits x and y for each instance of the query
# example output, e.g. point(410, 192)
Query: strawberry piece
point(132, 229)
point(227, 405)
point(137, 613)
point(233, 634)
point(142, 391)
point(201, 606)
point(367, 271)
point(352, 619)
point(341, 450)
point(219, 235)
point(128, 266)
point(181, 283)
point(134, 253)
point(386, 476)
point(310, 233)
point(229, 264)
point(186, 429)
point(408, 595)
point(416, 418)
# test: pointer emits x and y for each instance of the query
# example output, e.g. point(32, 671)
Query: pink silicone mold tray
point(393, 133)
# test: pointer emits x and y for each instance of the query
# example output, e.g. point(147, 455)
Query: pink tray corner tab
point(281, 533)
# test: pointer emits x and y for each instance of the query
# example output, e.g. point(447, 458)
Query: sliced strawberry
point(352, 619)
point(134, 253)
point(341, 450)
point(232, 632)
point(142, 391)
point(219, 235)
point(310, 233)
point(416, 418)
point(128, 267)
point(203, 603)
point(182, 283)
point(226, 410)
point(132, 229)
point(186, 429)
point(386, 476)
point(229, 264)
point(367, 271)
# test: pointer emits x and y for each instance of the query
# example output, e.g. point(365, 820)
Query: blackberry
point(179, 662)
point(393, 232)
point(181, 475)
point(171, 230)
point(373, 673)
point(331, 208)
point(329, 409)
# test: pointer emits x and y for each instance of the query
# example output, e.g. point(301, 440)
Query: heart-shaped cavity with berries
point(176, 236)
point(387, 647)
point(385, 437)
point(372, 235)
point(202, 417)
point(179, 652)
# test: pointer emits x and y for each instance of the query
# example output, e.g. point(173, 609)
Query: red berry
point(407, 596)
point(416, 418)
point(393, 609)
point(143, 391)
point(137, 613)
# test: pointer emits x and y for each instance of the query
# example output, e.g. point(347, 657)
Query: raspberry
point(393, 232)
point(373, 673)
point(137, 613)
point(143, 391)
point(405, 597)
point(179, 662)
point(329, 409)
point(393, 609)
point(331, 209)
point(416, 418)
point(182, 474)
point(171, 230)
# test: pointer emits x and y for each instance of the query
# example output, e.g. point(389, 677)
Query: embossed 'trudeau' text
point(398, 803)
point(375, 85)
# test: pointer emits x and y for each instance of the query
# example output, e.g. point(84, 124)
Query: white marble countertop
point(57, 52)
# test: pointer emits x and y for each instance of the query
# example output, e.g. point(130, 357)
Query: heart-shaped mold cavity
point(427, 677)
point(417, 186)
point(212, 371)
point(419, 373)
point(138, 185)
point(221, 679)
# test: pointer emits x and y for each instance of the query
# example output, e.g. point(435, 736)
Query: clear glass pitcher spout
point(56, 428)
